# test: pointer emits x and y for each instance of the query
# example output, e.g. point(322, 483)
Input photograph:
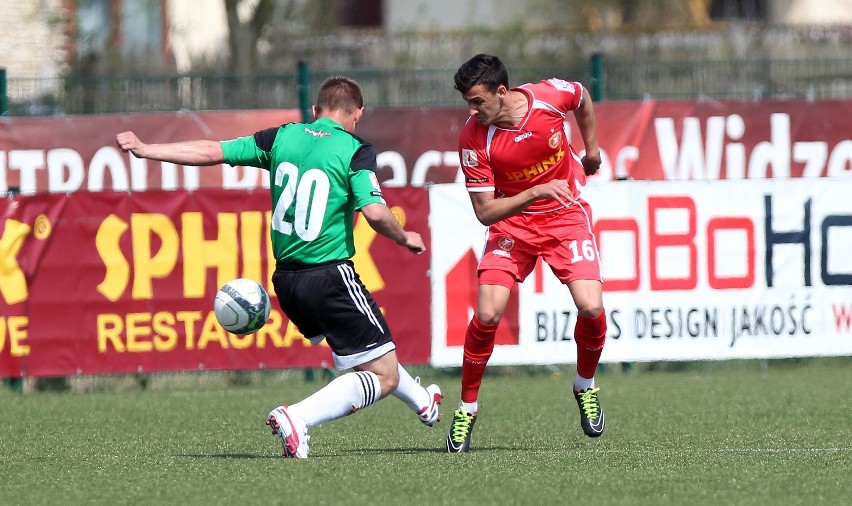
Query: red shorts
point(563, 238)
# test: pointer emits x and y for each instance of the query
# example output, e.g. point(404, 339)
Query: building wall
point(436, 15)
point(198, 32)
point(33, 41)
point(32, 38)
point(802, 12)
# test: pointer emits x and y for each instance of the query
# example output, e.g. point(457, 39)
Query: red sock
point(589, 334)
point(478, 345)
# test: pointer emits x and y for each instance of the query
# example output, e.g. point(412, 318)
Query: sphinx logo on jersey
point(530, 172)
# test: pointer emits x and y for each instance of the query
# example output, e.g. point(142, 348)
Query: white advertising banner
point(693, 270)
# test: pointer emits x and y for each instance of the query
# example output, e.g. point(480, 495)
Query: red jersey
point(507, 161)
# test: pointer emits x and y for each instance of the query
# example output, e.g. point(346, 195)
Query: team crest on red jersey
point(506, 243)
point(555, 140)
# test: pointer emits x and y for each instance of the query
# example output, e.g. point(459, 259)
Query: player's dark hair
point(339, 93)
point(484, 69)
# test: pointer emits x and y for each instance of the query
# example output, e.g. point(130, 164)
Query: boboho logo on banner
point(699, 270)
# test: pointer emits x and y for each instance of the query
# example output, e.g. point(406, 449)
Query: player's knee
point(489, 316)
point(590, 310)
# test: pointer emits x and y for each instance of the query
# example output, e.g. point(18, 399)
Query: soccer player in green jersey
point(320, 174)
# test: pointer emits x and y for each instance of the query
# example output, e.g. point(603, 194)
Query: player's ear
point(314, 111)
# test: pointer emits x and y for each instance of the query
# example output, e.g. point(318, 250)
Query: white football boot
point(292, 432)
point(429, 414)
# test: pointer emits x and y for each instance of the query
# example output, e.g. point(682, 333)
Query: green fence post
point(4, 100)
point(310, 375)
point(304, 92)
point(15, 384)
point(597, 77)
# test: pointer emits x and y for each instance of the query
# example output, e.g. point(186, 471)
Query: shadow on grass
point(337, 453)
point(228, 456)
point(363, 451)
point(355, 451)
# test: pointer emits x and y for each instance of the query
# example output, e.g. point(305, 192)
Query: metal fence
point(750, 79)
point(611, 80)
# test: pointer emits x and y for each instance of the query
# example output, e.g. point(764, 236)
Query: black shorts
point(330, 300)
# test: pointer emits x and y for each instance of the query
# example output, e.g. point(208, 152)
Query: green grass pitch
point(742, 434)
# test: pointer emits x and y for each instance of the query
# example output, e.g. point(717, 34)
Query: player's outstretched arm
point(384, 222)
point(201, 152)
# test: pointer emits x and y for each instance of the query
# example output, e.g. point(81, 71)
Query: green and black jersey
point(320, 174)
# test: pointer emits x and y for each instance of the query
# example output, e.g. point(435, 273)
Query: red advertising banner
point(673, 140)
point(119, 282)
point(78, 153)
point(652, 140)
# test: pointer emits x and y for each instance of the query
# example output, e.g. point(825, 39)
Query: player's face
point(484, 105)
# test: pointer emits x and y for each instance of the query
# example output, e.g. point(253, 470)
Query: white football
point(242, 306)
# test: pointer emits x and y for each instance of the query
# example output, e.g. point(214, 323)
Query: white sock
point(581, 383)
point(471, 407)
point(410, 391)
point(343, 396)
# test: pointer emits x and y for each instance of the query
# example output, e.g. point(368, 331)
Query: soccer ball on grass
point(242, 306)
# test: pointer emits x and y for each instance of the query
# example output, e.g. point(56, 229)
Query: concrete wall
point(803, 12)
point(32, 40)
point(198, 32)
point(33, 35)
point(437, 15)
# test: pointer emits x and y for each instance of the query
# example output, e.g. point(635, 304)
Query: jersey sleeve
point(478, 176)
point(566, 95)
point(252, 150)
point(362, 177)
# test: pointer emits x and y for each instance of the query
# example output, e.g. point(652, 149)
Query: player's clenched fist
point(128, 141)
point(414, 242)
point(591, 164)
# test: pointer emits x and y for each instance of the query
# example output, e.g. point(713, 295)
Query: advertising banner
point(651, 140)
point(118, 282)
point(723, 219)
point(698, 270)
point(671, 140)
point(78, 153)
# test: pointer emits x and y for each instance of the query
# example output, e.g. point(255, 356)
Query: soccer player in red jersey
point(525, 181)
